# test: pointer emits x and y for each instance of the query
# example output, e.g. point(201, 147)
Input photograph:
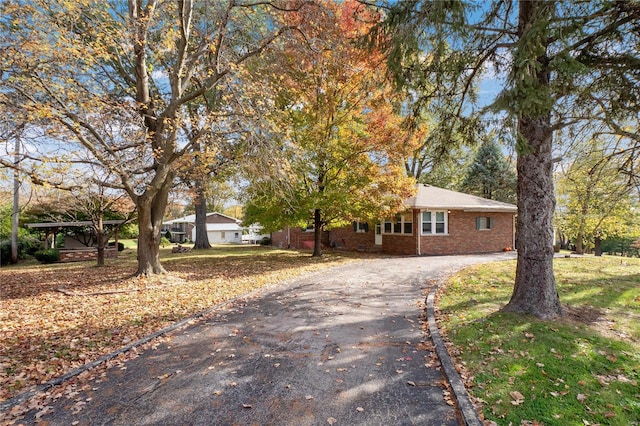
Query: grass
point(55, 318)
point(582, 369)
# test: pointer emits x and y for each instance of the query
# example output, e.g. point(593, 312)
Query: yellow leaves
point(45, 333)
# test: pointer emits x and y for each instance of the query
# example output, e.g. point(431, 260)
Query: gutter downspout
point(417, 228)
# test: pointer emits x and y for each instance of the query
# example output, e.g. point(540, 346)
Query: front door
point(378, 240)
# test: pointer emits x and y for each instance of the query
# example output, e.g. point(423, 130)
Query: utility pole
point(16, 199)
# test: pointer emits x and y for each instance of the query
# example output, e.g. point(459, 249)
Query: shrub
point(265, 241)
point(164, 242)
point(120, 245)
point(48, 255)
point(5, 251)
point(27, 246)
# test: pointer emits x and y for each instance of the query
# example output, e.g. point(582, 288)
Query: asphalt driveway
point(345, 346)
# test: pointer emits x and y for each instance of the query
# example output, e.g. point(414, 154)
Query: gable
point(220, 218)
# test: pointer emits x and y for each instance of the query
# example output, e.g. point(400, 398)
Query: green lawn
point(580, 370)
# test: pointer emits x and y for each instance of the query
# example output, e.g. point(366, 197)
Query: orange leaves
point(45, 333)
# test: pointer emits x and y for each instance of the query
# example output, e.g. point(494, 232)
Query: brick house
point(437, 222)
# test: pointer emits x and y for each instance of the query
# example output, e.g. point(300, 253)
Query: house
point(253, 234)
point(436, 221)
point(220, 229)
point(79, 239)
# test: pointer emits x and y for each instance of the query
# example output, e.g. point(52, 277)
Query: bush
point(164, 242)
point(5, 251)
point(128, 231)
point(48, 255)
point(265, 241)
point(27, 246)
point(120, 245)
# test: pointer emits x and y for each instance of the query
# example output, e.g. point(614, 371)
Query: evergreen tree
point(490, 175)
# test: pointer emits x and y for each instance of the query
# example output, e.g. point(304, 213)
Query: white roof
point(192, 219)
point(432, 197)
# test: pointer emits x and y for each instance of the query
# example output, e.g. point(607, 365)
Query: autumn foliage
point(56, 318)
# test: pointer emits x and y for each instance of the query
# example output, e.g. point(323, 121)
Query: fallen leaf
point(581, 397)
point(410, 383)
point(359, 409)
point(517, 397)
point(308, 397)
point(331, 421)
point(247, 405)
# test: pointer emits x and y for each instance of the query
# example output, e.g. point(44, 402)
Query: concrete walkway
point(345, 346)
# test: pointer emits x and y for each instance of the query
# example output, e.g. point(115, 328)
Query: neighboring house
point(253, 234)
point(82, 244)
point(437, 222)
point(220, 229)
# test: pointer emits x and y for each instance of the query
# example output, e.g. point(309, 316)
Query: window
point(434, 222)
point(360, 227)
point(401, 224)
point(484, 223)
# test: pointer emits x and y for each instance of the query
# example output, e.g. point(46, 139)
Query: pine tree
point(490, 175)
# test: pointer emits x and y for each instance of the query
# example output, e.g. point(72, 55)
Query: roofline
point(182, 219)
point(72, 224)
point(497, 209)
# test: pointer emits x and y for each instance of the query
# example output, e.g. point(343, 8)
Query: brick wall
point(298, 238)
point(399, 244)
point(346, 238)
point(89, 253)
point(464, 238)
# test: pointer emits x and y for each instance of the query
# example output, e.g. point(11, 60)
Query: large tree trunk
point(100, 235)
point(535, 287)
point(579, 246)
point(317, 234)
point(597, 248)
point(150, 214)
point(202, 237)
point(535, 291)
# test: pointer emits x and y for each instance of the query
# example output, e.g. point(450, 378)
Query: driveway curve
point(343, 346)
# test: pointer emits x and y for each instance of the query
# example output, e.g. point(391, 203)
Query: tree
point(554, 55)
point(340, 157)
point(96, 203)
point(490, 175)
point(595, 200)
point(112, 82)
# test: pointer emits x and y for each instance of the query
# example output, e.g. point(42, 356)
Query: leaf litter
point(57, 318)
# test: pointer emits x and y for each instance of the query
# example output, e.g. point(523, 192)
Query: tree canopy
point(595, 201)
point(110, 84)
point(340, 154)
point(561, 62)
point(490, 175)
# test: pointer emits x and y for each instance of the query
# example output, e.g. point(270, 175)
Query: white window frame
point(361, 227)
point(402, 222)
point(434, 222)
point(484, 223)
